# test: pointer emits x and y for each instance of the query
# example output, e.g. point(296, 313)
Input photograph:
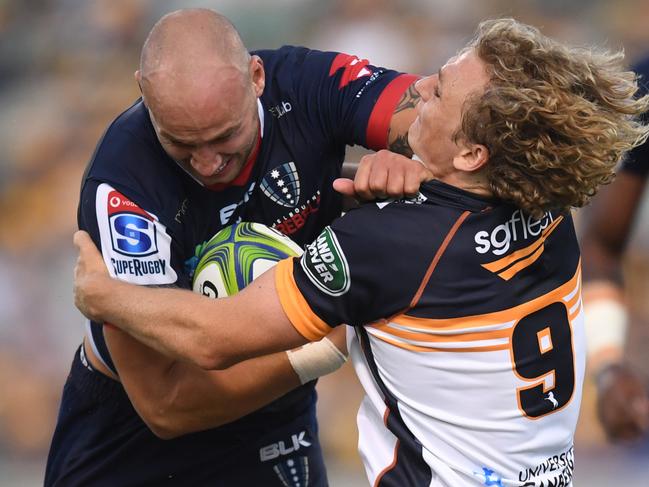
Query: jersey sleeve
point(350, 274)
point(134, 244)
point(347, 96)
point(637, 160)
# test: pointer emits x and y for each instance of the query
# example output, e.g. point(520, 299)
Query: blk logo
point(282, 448)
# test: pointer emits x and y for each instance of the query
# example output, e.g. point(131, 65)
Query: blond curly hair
point(556, 119)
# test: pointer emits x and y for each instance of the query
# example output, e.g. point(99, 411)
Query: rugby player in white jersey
point(466, 300)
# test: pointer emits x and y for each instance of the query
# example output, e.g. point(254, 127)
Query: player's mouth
point(223, 165)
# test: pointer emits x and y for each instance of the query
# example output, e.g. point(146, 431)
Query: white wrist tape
point(606, 324)
point(316, 359)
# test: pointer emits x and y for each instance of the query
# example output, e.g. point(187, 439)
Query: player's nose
point(205, 161)
point(423, 86)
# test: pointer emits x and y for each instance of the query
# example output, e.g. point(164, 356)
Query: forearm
point(180, 398)
point(175, 398)
point(211, 333)
point(229, 394)
point(403, 116)
point(608, 226)
point(171, 321)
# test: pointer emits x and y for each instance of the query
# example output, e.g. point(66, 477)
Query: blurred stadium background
point(66, 70)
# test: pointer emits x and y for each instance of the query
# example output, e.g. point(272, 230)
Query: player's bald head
point(189, 51)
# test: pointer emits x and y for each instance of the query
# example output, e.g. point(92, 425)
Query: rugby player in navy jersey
point(622, 392)
point(466, 299)
point(219, 135)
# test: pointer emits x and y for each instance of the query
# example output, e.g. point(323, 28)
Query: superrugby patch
point(134, 244)
point(326, 265)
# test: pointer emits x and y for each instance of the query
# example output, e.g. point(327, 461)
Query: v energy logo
point(325, 264)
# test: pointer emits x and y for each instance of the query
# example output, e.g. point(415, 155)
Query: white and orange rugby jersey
point(468, 336)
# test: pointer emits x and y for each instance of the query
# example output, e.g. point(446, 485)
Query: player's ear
point(257, 74)
point(138, 79)
point(471, 157)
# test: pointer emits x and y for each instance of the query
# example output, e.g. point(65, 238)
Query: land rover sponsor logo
point(326, 265)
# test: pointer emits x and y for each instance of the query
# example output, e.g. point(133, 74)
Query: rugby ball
point(237, 255)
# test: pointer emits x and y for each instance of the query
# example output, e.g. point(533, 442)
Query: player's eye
point(436, 91)
point(177, 143)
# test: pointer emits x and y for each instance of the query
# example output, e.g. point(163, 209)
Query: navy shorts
point(101, 441)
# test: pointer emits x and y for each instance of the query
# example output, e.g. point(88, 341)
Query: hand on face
point(90, 275)
point(622, 403)
point(384, 174)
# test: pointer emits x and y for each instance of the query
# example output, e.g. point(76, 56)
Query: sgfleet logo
point(520, 226)
point(132, 230)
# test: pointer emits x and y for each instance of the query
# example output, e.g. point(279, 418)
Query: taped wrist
point(606, 323)
point(316, 359)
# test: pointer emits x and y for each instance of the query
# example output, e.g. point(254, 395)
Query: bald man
point(219, 135)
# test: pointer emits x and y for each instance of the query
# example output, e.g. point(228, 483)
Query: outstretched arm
point(622, 402)
point(211, 333)
point(174, 397)
point(389, 173)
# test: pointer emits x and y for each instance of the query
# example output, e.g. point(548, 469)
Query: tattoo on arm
point(400, 145)
point(408, 100)
point(401, 118)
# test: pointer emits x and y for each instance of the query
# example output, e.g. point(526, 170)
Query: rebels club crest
point(282, 185)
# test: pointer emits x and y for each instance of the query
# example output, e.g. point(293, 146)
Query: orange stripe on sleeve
point(379, 122)
point(305, 321)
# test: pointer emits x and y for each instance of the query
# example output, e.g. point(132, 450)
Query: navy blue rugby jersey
point(637, 160)
point(469, 334)
point(148, 214)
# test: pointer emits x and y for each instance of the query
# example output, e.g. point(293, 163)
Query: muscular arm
point(622, 402)
point(388, 173)
point(210, 333)
point(175, 397)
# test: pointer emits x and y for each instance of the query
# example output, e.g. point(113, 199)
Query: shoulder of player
point(290, 53)
point(130, 133)
point(288, 64)
point(506, 241)
point(129, 158)
point(406, 223)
